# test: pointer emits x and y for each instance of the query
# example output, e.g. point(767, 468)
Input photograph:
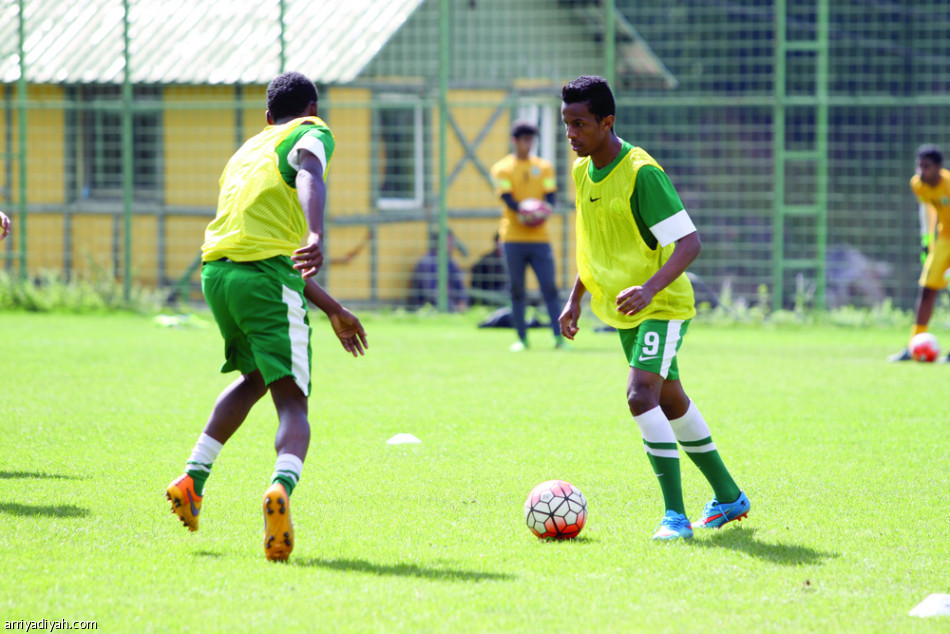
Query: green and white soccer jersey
point(652, 346)
point(313, 137)
point(261, 312)
point(658, 210)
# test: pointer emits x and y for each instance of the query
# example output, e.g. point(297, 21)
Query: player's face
point(585, 133)
point(523, 145)
point(928, 171)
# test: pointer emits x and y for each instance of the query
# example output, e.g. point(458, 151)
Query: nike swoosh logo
point(643, 358)
point(593, 200)
point(194, 511)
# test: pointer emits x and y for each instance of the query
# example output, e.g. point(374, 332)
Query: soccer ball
point(533, 212)
point(555, 509)
point(924, 347)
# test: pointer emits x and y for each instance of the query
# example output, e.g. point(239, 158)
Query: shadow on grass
point(210, 554)
point(20, 475)
point(585, 540)
point(743, 539)
point(60, 510)
point(403, 570)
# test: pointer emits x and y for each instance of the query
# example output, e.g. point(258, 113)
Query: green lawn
point(844, 457)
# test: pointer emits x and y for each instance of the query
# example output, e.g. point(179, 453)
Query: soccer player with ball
point(931, 186)
point(256, 281)
point(527, 187)
point(634, 244)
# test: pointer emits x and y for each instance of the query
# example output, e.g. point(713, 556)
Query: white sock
point(204, 454)
point(288, 466)
point(658, 437)
point(691, 428)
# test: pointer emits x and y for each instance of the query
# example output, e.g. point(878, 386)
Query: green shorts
point(262, 315)
point(653, 344)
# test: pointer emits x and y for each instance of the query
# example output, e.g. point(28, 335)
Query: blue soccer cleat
point(673, 526)
point(716, 514)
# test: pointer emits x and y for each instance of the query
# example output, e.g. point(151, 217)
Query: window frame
point(394, 101)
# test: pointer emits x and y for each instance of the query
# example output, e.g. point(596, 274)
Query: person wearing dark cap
point(518, 177)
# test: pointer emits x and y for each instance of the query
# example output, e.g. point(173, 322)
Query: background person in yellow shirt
point(931, 186)
point(518, 177)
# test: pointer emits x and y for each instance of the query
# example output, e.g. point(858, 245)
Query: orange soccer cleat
point(278, 529)
point(186, 504)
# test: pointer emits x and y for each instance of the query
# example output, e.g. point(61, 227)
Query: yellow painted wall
point(44, 242)
point(199, 140)
point(348, 181)
point(93, 244)
point(45, 176)
point(198, 143)
point(470, 189)
point(183, 238)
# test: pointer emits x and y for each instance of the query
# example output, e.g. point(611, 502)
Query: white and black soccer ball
point(555, 509)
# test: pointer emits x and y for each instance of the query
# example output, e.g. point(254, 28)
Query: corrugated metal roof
point(197, 41)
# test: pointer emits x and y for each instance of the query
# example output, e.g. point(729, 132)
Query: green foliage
point(848, 489)
point(98, 291)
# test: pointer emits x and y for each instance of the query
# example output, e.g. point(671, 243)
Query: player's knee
point(640, 400)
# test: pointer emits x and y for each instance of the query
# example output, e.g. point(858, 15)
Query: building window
point(96, 145)
point(398, 135)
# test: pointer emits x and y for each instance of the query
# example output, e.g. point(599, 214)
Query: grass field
point(844, 457)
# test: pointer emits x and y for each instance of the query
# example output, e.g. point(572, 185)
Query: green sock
point(287, 471)
point(660, 444)
point(202, 458)
point(200, 477)
point(667, 472)
point(712, 467)
point(693, 434)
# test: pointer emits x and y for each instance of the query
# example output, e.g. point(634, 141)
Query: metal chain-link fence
point(788, 127)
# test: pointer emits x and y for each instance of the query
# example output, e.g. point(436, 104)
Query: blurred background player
point(490, 277)
point(424, 282)
point(4, 225)
point(931, 186)
point(517, 177)
point(256, 281)
point(633, 260)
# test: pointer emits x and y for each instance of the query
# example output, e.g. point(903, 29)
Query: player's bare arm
point(632, 300)
point(572, 310)
point(312, 192)
point(345, 324)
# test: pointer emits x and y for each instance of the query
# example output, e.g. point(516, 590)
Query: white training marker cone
point(934, 605)
point(402, 439)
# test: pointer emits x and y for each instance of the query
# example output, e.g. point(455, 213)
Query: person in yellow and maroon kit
point(256, 279)
point(931, 186)
point(518, 177)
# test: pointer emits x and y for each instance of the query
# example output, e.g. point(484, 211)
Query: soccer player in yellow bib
point(256, 279)
point(931, 186)
point(634, 243)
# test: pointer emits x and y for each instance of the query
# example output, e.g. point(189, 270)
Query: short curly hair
point(289, 94)
point(592, 90)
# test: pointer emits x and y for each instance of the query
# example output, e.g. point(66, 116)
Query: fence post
point(443, 273)
point(128, 174)
point(21, 121)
